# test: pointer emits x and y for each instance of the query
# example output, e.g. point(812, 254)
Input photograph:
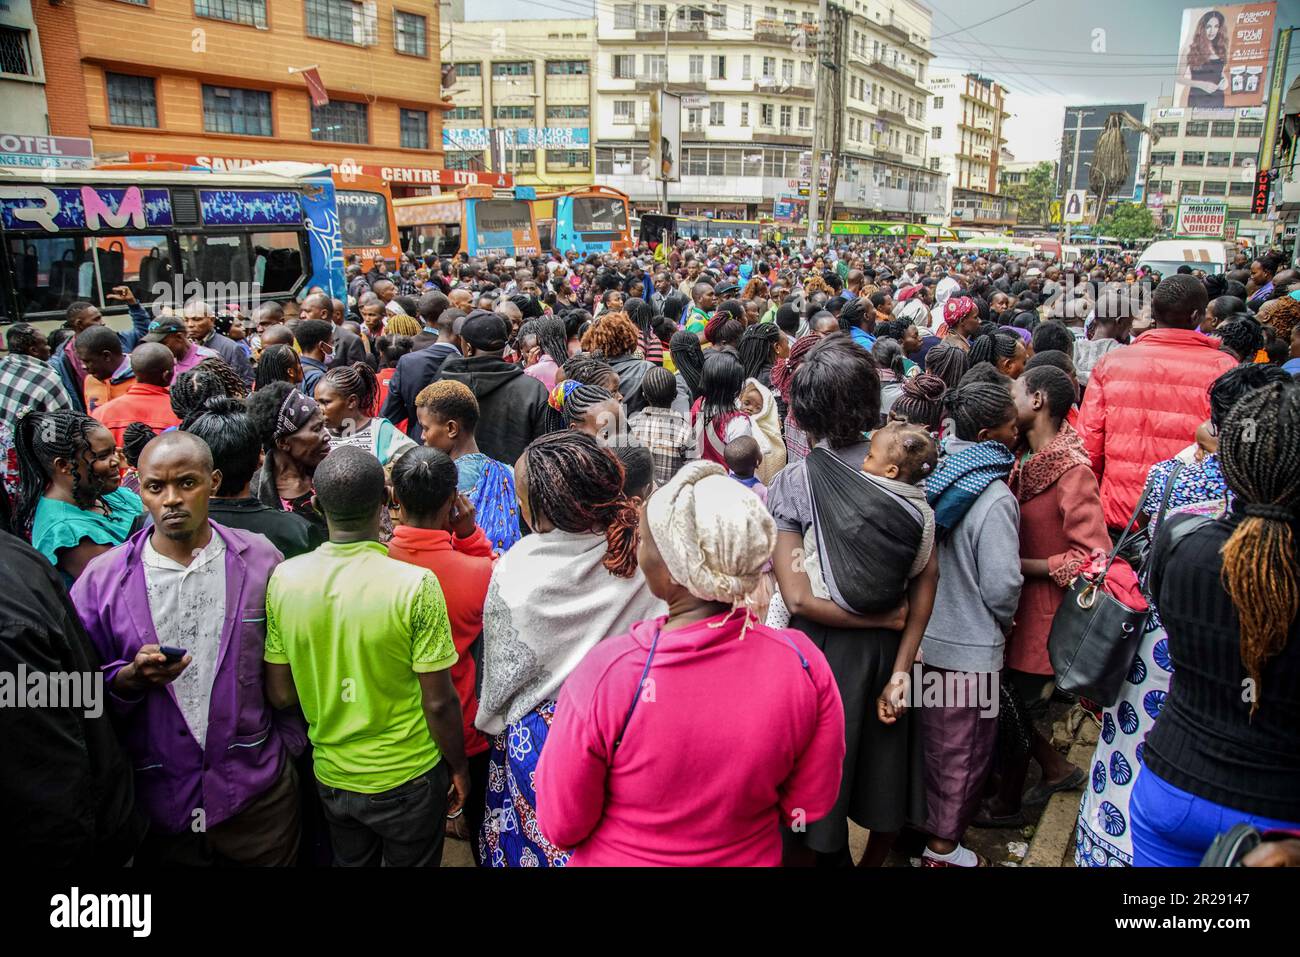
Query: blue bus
point(584, 219)
point(472, 221)
point(69, 235)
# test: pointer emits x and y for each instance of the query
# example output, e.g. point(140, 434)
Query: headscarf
point(295, 412)
point(714, 540)
point(956, 309)
point(562, 392)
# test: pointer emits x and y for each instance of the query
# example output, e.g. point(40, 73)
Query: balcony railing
point(893, 116)
point(783, 33)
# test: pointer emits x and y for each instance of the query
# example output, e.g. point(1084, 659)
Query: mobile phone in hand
point(172, 653)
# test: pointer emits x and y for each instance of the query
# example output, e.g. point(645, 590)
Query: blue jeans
point(1173, 828)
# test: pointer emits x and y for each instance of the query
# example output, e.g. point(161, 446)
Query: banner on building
point(1076, 206)
point(545, 138)
point(1201, 219)
point(666, 136)
point(1223, 55)
point(46, 152)
point(399, 175)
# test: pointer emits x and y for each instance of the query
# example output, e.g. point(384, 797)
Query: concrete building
point(22, 72)
point(1207, 153)
point(966, 116)
point(746, 74)
point(531, 78)
point(210, 79)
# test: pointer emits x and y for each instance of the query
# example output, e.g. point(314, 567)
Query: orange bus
point(584, 219)
point(366, 219)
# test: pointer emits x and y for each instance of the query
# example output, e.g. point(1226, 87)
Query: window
point(1250, 129)
point(769, 68)
point(1165, 129)
point(786, 113)
point(339, 20)
point(513, 112)
point(748, 20)
point(1241, 189)
point(408, 33)
point(1218, 159)
point(719, 16)
point(464, 159)
point(465, 113)
point(695, 121)
point(131, 100)
point(513, 68)
point(1198, 128)
point(805, 117)
point(568, 112)
point(697, 68)
point(766, 115)
point(787, 72)
point(746, 72)
point(936, 132)
point(1214, 187)
point(245, 112)
point(624, 16)
point(625, 111)
point(717, 67)
point(1189, 187)
point(788, 16)
point(938, 102)
point(653, 16)
point(624, 66)
point(1193, 158)
point(219, 260)
point(573, 159)
point(15, 51)
point(717, 114)
point(523, 158)
point(341, 121)
point(1222, 128)
point(769, 13)
point(655, 66)
point(934, 162)
point(251, 12)
point(415, 129)
point(568, 67)
point(744, 114)
point(806, 73)
point(1163, 158)
point(469, 69)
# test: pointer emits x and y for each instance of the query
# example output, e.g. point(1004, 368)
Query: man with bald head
point(277, 335)
point(148, 398)
point(180, 604)
point(460, 298)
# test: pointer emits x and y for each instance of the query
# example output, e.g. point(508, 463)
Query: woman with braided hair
point(70, 497)
point(921, 402)
point(278, 363)
point(783, 370)
point(1005, 351)
point(349, 399)
point(550, 351)
point(190, 390)
point(552, 598)
point(717, 416)
point(688, 357)
point(134, 438)
point(1226, 747)
point(235, 386)
point(643, 317)
point(948, 362)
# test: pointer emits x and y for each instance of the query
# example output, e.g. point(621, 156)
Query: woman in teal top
point(71, 496)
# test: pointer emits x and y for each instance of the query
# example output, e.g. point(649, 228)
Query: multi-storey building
point(966, 116)
point(531, 79)
point(22, 72)
point(218, 80)
point(746, 73)
point(1210, 154)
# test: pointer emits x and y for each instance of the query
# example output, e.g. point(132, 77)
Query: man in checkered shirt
point(659, 428)
point(26, 382)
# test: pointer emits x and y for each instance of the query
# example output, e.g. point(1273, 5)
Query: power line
point(996, 16)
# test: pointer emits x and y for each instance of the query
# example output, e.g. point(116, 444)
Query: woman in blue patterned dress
point(1102, 835)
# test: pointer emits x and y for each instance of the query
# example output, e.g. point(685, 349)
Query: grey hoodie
point(979, 583)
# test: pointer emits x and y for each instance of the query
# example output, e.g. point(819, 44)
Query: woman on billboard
point(1205, 58)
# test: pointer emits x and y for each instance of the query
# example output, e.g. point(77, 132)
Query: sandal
point(984, 819)
point(1040, 792)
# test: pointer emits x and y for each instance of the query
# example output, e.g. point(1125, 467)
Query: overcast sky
point(1048, 54)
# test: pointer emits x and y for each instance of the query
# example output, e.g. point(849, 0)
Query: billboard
point(1201, 218)
point(1079, 134)
point(526, 138)
point(666, 137)
point(46, 152)
point(1223, 55)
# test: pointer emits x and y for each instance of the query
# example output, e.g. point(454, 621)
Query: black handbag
point(1094, 636)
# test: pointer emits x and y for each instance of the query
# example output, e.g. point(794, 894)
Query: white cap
point(508, 263)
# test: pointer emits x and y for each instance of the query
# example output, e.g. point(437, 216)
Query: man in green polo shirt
point(362, 642)
point(702, 302)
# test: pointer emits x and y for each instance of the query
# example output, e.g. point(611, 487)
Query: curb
point(1053, 839)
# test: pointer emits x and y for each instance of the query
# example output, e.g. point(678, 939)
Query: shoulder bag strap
point(645, 673)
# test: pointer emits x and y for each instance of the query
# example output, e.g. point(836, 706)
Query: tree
point(1035, 193)
point(1128, 221)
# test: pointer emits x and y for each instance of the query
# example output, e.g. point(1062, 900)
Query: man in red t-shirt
point(435, 529)
point(148, 399)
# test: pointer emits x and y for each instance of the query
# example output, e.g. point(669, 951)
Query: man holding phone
point(177, 613)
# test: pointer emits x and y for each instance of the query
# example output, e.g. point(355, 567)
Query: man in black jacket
point(417, 369)
point(512, 406)
point(66, 793)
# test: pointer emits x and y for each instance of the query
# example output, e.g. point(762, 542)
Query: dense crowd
point(654, 558)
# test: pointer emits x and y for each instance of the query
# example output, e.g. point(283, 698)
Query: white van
point(1207, 255)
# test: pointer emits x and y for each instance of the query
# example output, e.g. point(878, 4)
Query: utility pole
point(819, 123)
point(663, 87)
point(835, 56)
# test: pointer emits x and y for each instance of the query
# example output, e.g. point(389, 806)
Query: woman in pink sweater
point(750, 716)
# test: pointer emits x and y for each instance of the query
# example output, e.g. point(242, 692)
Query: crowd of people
point(646, 558)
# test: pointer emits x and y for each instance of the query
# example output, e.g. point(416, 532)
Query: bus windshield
point(363, 218)
point(501, 216)
point(592, 214)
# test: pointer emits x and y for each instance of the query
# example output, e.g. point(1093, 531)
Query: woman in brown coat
point(1061, 529)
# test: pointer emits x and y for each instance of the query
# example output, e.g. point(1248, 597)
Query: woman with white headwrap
point(690, 739)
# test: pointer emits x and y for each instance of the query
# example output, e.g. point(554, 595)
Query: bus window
point(593, 214)
point(46, 272)
point(277, 262)
point(228, 266)
point(140, 262)
point(502, 223)
point(441, 239)
point(363, 218)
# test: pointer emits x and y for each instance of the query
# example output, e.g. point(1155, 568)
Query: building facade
point(22, 72)
point(530, 78)
point(966, 140)
point(1210, 154)
point(157, 79)
point(747, 77)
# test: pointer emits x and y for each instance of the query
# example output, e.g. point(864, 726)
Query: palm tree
point(1111, 164)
